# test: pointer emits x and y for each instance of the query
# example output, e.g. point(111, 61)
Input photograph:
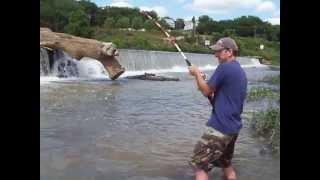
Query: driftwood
point(78, 47)
point(152, 77)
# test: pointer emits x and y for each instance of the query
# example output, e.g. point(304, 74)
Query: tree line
point(82, 17)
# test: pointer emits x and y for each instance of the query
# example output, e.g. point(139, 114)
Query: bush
point(123, 22)
point(267, 124)
point(257, 93)
point(272, 79)
point(109, 23)
point(137, 23)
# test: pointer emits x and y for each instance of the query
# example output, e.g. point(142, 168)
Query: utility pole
point(193, 26)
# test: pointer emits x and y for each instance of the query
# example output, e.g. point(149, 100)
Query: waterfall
point(64, 65)
point(134, 61)
point(141, 60)
point(44, 63)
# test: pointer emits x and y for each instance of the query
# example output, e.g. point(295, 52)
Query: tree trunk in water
point(78, 47)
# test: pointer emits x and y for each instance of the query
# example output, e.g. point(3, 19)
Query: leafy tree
point(54, 13)
point(79, 24)
point(123, 22)
point(137, 23)
point(205, 25)
point(149, 25)
point(109, 22)
point(91, 9)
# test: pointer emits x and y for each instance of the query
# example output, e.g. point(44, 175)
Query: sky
point(267, 10)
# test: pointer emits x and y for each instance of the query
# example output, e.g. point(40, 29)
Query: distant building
point(189, 25)
point(170, 22)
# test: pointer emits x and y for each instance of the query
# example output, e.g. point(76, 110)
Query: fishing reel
point(204, 76)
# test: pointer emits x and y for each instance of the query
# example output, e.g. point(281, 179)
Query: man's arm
point(203, 86)
point(201, 82)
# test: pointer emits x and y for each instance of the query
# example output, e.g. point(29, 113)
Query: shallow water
point(134, 129)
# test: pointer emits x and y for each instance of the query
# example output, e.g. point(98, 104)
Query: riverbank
point(155, 40)
point(266, 122)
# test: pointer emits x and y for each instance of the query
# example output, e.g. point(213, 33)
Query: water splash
point(64, 66)
point(91, 68)
point(44, 63)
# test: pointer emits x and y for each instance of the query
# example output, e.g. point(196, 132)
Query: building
point(189, 25)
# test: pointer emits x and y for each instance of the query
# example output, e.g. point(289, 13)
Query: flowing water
point(95, 128)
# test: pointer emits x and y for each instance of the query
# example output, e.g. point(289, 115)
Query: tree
point(109, 22)
point(91, 9)
point(179, 24)
point(205, 25)
point(277, 32)
point(271, 32)
point(193, 26)
point(248, 25)
point(54, 13)
point(149, 25)
point(79, 24)
point(123, 22)
point(137, 23)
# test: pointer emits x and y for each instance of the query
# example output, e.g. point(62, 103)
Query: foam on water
point(182, 69)
point(137, 62)
point(91, 68)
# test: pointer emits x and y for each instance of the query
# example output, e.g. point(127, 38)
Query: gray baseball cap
point(224, 43)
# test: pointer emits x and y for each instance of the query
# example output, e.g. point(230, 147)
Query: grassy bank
point(156, 40)
point(267, 124)
point(272, 79)
point(257, 93)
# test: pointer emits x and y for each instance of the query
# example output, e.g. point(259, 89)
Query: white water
point(137, 62)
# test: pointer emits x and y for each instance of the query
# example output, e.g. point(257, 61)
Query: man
point(226, 90)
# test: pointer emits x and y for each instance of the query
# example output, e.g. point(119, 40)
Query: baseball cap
point(224, 43)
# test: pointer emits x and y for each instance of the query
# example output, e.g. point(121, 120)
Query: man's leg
point(201, 175)
point(230, 173)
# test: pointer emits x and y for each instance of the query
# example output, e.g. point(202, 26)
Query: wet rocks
point(152, 77)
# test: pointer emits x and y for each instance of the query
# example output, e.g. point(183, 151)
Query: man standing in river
point(227, 89)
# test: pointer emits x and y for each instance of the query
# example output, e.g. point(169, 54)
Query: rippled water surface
point(134, 129)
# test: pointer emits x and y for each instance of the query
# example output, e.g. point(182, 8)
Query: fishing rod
point(204, 76)
point(168, 35)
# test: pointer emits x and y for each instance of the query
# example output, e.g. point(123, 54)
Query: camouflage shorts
point(213, 150)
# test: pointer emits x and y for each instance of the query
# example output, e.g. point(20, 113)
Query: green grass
point(267, 124)
point(155, 40)
point(257, 93)
point(272, 79)
point(251, 47)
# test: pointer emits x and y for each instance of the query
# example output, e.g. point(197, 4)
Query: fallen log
point(78, 48)
point(152, 77)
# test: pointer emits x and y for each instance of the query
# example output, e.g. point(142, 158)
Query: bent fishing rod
point(175, 44)
point(167, 34)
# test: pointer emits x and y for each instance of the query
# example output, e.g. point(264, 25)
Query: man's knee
point(231, 178)
point(230, 174)
point(201, 175)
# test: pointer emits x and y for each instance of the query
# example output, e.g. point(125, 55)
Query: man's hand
point(172, 40)
point(193, 70)
point(201, 81)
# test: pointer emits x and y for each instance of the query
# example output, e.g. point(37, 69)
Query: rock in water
point(152, 77)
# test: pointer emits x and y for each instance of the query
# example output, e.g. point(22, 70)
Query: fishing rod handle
point(188, 62)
